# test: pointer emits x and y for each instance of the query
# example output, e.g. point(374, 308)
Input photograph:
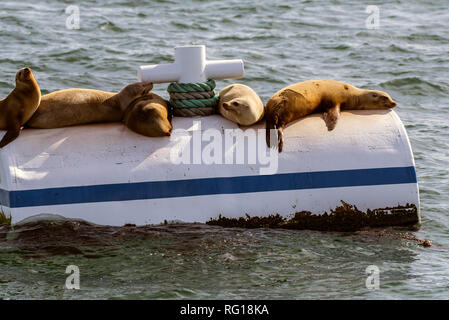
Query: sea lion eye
point(374, 95)
point(235, 103)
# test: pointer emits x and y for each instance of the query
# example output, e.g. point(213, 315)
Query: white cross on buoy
point(191, 66)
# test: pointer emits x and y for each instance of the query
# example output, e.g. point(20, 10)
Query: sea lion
point(240, 104)
point(72, 107)
point(149, 116)
point(19, 105)
point(327, 96)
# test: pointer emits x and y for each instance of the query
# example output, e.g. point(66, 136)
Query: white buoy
point(109, 175)
point(191, 66)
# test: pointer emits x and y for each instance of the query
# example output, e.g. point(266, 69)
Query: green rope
point(209, 85)
point(190, 99)
point(195, 103)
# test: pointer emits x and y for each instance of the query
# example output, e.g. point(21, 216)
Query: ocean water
point(406, 56)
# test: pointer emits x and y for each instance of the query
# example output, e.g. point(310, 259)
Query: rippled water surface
point(408, 56)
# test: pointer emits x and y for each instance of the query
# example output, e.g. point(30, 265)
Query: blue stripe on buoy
point(4, 198)
point(207, 186)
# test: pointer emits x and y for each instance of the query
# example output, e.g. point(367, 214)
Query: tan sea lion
point(149, 116)
point(72, 107)
point(327, 96)
point(19, 105)
point(240, 104)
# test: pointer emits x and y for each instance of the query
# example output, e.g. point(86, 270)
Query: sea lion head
point(134, 91)
point(375, 99)
point(149, 117)
point(237, 110)
point(162, 125)
point(24, 76)
point(240, 104)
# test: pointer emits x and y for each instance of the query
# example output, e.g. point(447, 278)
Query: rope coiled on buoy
point(193, 99)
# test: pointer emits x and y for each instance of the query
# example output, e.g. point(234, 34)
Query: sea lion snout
point(233, 106)
point(137, 89)
point(147, 87)
point(388, 102)
point(226, 106)
point(374, 99)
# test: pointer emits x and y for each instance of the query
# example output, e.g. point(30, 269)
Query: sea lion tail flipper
point(280, 113)
point(274, 135)
point(280, 134)
point(269, 125)
point(331, 117)
point(10, 136)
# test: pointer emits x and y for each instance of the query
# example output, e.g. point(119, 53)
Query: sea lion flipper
point(331, 117)
point(270, 125)
point(280, 134)
point(275, 140)
point(19, 105)
point(10, 136)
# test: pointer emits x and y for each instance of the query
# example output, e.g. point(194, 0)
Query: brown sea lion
point(149, 116)
point(19, 105)
point(240, 104)
point(327, 96)
point(72, 107)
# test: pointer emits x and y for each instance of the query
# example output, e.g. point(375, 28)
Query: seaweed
point(346, 217)
point(4, 220)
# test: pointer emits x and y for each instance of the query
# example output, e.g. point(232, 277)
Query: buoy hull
point(109, 175)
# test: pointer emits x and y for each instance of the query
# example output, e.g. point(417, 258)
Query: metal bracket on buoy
point(191, 66)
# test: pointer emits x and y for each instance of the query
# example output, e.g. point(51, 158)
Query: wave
point(246, 38)
point(48, 235)
point(416, 85)
point(109, 26)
